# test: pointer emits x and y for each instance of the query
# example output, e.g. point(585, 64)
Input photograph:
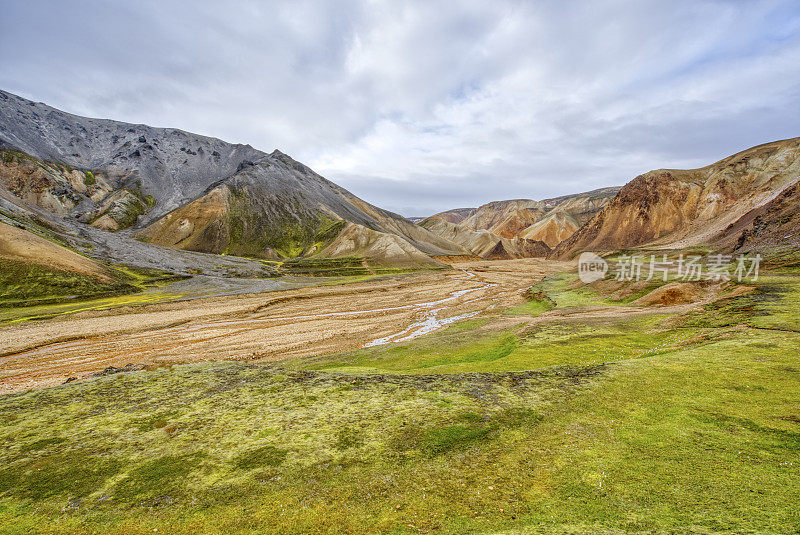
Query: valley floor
point(562, 408)
point(256, 327)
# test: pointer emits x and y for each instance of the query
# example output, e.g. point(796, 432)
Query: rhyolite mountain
point(518, 228)
point(741, 202)
point(192, 192)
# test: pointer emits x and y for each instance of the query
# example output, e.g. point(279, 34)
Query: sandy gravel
point(265, 326)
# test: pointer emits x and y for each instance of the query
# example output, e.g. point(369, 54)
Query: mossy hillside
point(702, 439)
point(536, 302)
point(23, 284)
point(464, 347)
point(199, 436)
point(131, 204)
point(288, 230)
point(9, 155)
point(29, 292)
point(564, 290)
point(36, 226)
point(773, 303)
point(347, 266)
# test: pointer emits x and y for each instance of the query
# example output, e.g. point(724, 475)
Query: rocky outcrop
point(773, 226)
point(379, 248)
point(457, 215)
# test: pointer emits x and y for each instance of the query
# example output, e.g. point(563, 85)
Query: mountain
point(457, 215)
point(187, 191)
point(518, 228)
point(485, 244)
point(714, 205)
point(276, 208)
point(515, 218)
point(773, 226)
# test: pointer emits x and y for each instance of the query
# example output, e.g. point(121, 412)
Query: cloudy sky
point(423, 106)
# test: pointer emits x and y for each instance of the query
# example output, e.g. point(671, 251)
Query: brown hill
point(486, 244)
point(518, 222)
point(680, 208)
point(457, 215)
point(22, 246)
point(775, 225)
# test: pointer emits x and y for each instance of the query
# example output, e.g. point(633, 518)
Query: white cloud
point(420, 106)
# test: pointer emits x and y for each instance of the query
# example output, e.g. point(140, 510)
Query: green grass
point(463, 347)
point(30, 292)
point(348, 266)
point(703, 438)
point(691, 426)
point(565, 291)
point(22, 283)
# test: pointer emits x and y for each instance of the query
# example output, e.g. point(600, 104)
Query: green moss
point(89, 178)
point(8, 155)
point(158, 420)
point(327, 267)
point(289, 232)
point(29, 292)
point(41, 444)
point(347, 438)
point(65, 474)
point(160, 480)
point(260, 457)
point(26, 284)
point(439, 441)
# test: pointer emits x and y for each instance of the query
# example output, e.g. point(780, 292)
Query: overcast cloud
point(423, 106)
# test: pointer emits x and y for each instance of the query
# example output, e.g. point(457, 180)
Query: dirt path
point(267, 326)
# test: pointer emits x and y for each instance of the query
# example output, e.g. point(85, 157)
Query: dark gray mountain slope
point(181, 189)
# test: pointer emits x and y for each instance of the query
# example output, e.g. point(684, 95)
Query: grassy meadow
point(652, 423)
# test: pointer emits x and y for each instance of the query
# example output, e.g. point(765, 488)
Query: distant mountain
point(457, 215)
point(520, 227)
point(745, 199)
point(187, 191)
point(486, 244)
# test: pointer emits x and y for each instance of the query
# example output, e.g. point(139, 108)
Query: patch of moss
point(347, 438)
point(23, 284)
point(260, 457)
point(158, 420)
point(439, 441)
point(158, 481)
point(66, 474)
point(41, 444)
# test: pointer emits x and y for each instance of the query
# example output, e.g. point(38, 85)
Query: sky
point(424, 106)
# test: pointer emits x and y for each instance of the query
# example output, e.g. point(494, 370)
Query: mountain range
point(162, 197)
point(168, 187)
